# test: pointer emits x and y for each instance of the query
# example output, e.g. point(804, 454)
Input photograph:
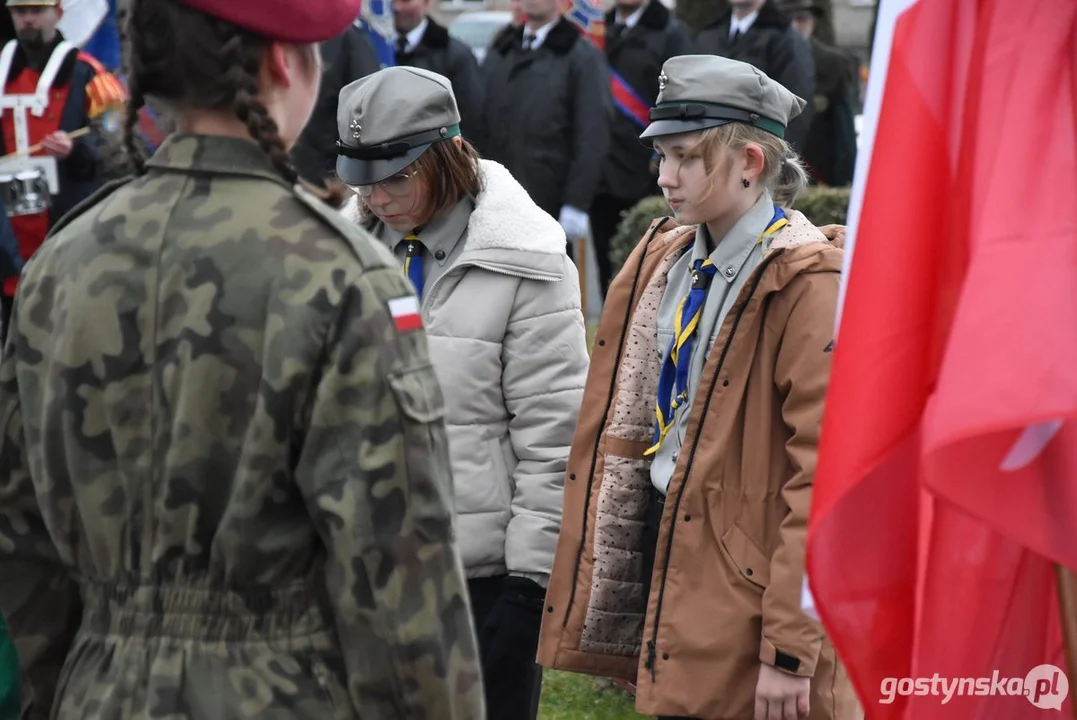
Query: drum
point(25, 193)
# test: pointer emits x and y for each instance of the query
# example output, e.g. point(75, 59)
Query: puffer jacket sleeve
point(545, 364)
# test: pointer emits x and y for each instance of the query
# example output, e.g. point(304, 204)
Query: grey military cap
point(704, 91)
point(388, 119)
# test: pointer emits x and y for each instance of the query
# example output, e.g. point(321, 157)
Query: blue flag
point(376, 19)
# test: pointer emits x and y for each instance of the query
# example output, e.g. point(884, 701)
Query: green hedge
point(821, 205)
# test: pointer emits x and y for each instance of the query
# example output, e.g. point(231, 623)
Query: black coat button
point(439, 255)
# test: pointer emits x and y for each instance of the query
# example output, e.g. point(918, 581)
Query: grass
point(591, 331)
point(569, 696)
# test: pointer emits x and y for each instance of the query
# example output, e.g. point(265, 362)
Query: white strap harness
point(37, 103)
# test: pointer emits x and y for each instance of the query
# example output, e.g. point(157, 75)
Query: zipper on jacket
point(653, 642)
point(630, 307)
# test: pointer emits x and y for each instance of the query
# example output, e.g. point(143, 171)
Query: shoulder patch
point(405, 313)
point(370, 252)
point(105, 94)
point(101, 193)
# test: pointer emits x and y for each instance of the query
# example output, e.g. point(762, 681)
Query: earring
point(744, 182)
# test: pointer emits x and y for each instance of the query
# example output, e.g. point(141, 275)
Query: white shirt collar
point(415, 36)
point(631, 20)
point(540, 34)
point(743, 24)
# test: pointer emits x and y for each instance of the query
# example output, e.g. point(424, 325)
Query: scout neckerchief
point(413, 261)
point(673, 380)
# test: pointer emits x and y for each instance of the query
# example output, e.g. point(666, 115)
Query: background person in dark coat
point(758, 33)
point(421, 42)
point(547, 112)
point(345, 58)
point(830, 150)
point(640, 36)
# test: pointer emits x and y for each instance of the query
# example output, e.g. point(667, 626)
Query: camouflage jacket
point(224, 484)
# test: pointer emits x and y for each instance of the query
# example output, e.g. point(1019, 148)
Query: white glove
point(575, 222)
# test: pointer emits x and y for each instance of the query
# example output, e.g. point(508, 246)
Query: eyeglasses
point(398, 185)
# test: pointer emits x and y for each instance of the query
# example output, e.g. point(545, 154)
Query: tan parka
point(726, 588)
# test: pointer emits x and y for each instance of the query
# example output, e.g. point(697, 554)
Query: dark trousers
point(510, 693)
point(650, 536)
point(6, 304)
point(650, 541)
point(606, 215)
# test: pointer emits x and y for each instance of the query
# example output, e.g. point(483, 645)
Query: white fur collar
point(505, 217)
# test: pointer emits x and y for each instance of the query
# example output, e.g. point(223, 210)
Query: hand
point(575, 222)
point(780, 696)
point(58, 144)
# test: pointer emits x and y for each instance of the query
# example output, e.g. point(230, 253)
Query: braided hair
point(191, 60)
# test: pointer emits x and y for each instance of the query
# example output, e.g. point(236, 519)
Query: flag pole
point(1066, 583)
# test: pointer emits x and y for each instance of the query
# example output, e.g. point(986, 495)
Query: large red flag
point(947, 482)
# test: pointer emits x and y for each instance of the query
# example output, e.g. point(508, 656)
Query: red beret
point(290, 21)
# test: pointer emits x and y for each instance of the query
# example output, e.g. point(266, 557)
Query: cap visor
point(674, 127)
point(353, 171)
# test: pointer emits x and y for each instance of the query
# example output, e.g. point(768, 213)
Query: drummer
point(75, 89)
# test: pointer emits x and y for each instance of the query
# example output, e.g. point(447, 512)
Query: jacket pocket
point(421, 408)
point(334, 695)
point(501, 474)
point(418, 394)
point(748, 560)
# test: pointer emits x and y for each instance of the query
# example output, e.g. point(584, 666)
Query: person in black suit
point(830, 149)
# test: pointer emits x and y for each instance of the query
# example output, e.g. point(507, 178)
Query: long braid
point(135, 100)
point(131, 144)
point(244, 62)
point(210, 65)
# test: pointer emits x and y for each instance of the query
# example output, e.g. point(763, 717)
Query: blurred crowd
point(566, 124)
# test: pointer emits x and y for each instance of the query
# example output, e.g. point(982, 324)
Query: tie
point(673, 380)
point(529, 41)
point(617, 32)
point(736, 36)
point(402, 46)
point(674, 375)
point(413, 263)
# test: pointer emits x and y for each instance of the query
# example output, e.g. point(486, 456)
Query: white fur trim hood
point(505, 217)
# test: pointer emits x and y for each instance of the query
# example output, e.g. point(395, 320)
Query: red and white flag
point(946, 489)
point(405, 312)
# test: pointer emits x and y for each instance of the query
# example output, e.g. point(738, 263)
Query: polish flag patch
point(405, 312)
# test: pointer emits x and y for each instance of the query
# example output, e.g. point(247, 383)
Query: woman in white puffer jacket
point(500, 303)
